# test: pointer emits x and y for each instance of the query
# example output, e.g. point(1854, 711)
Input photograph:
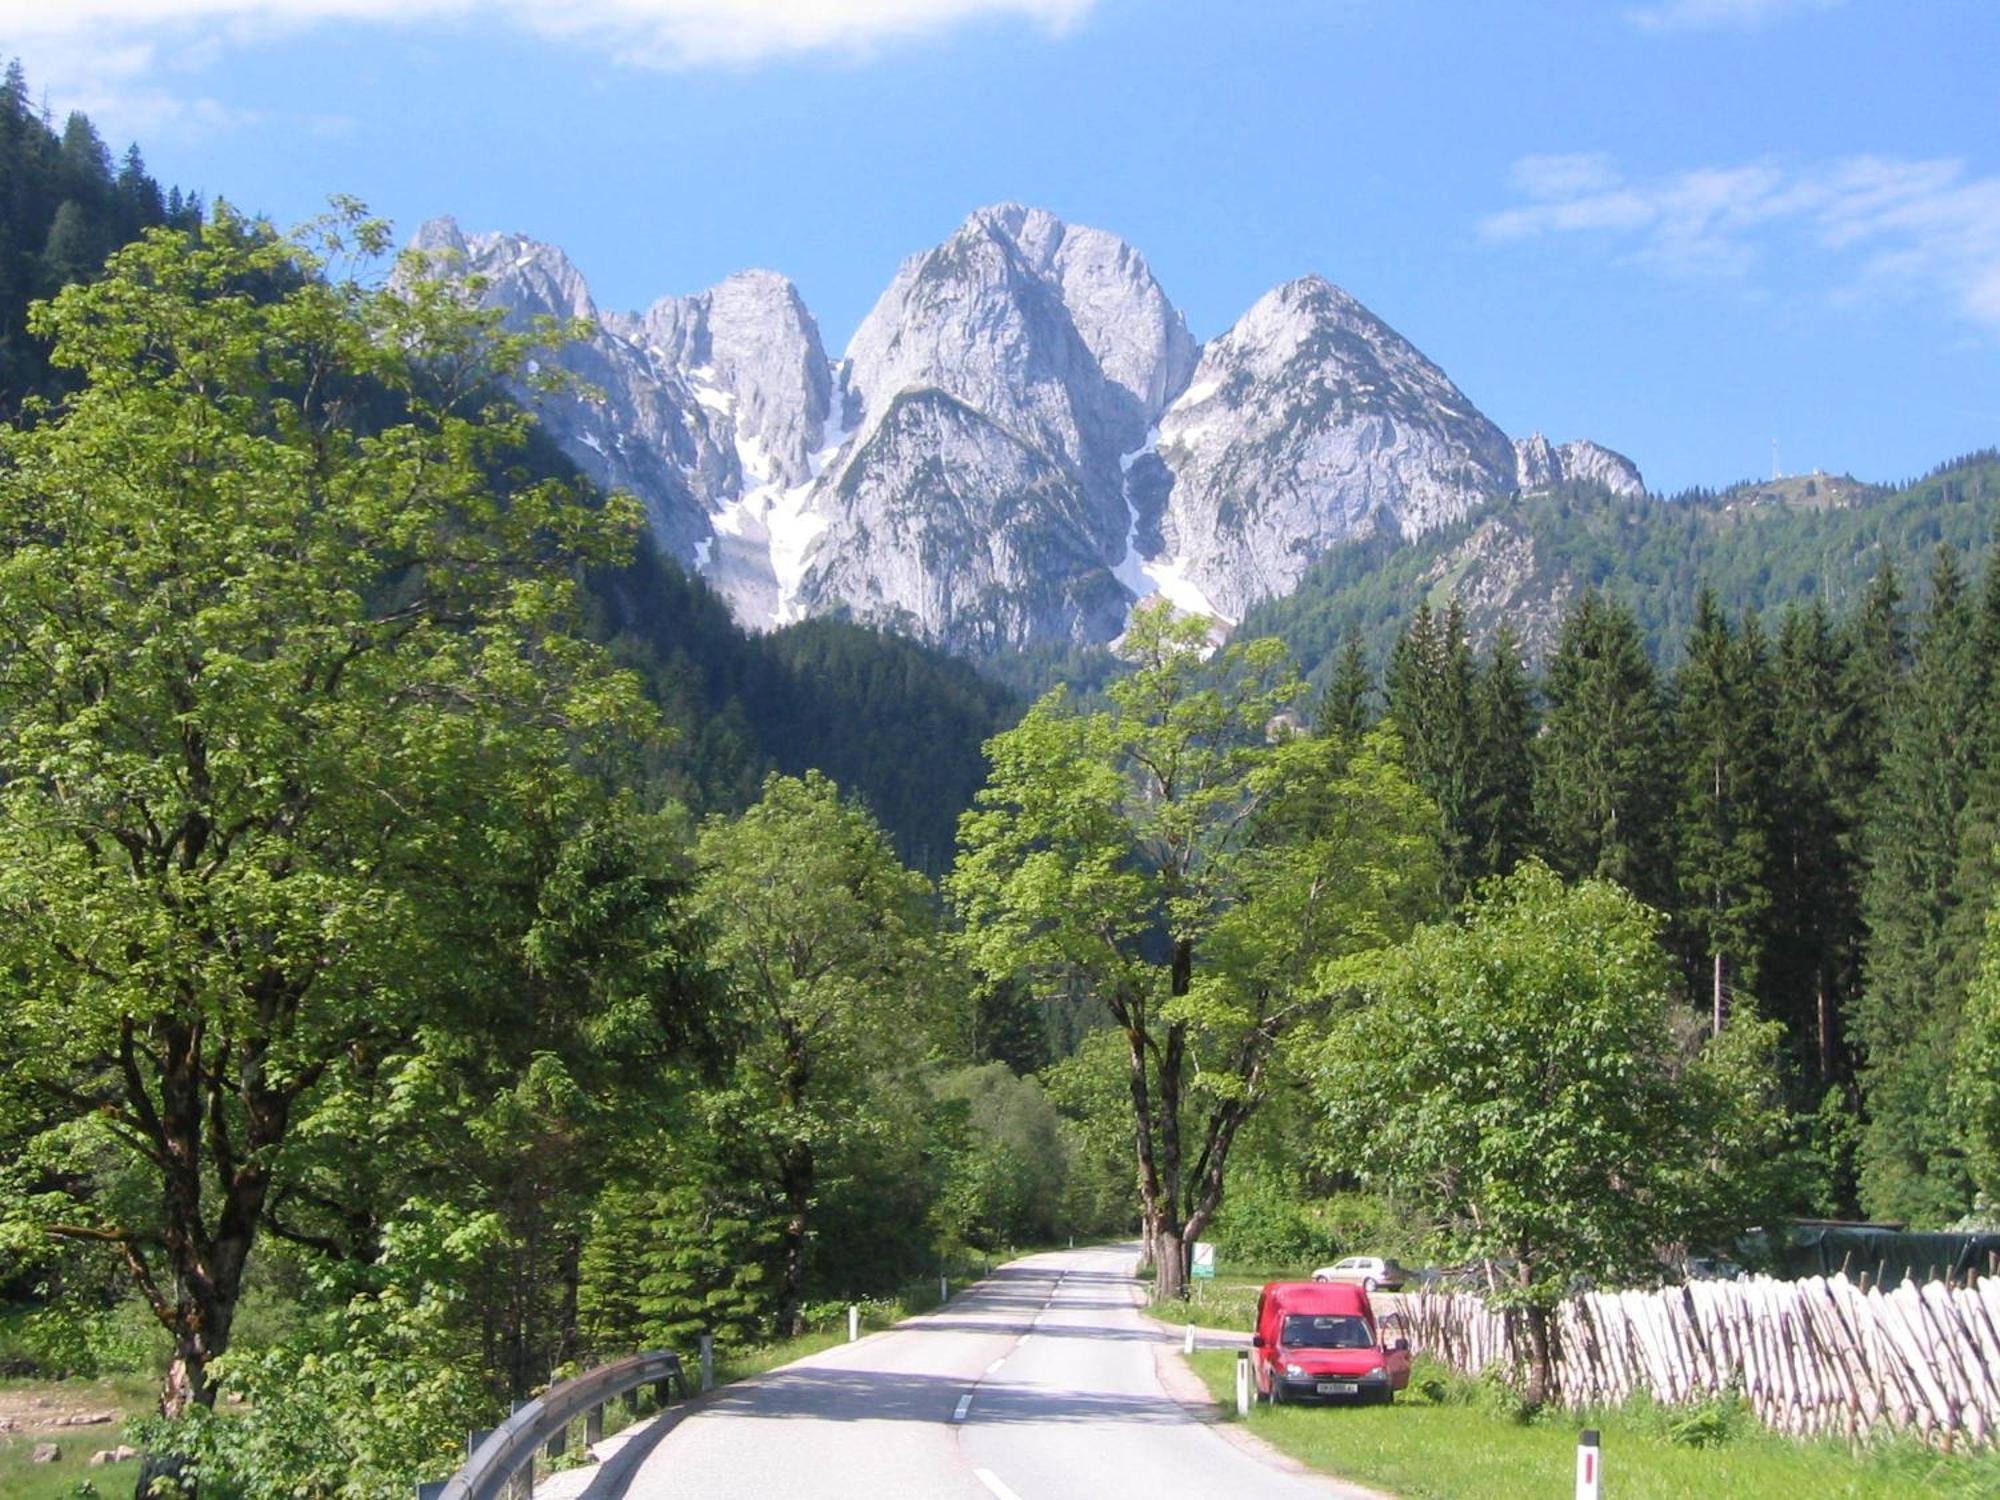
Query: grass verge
point(23, 1479)
point(1457, 1441)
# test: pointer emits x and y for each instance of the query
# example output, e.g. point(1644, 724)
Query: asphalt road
point(1041, 1383)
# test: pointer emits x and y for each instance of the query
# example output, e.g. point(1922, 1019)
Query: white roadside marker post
point(1589, 1466)
point(944, 1289)
point(853, 1322)
point(1187, 1343)
point(708, 1361)
point(1243, 1385)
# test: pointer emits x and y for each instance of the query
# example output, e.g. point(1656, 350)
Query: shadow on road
point(882, 1396)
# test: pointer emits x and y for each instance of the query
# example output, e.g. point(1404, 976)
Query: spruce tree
point(1346, 704)
point(1602, 782)
point(1504, 757)
point(1906, 1019)
point(1722, 740)
point(1431, 690)
point(1823, 774)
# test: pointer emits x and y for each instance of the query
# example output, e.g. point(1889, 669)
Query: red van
point(1318, 1340)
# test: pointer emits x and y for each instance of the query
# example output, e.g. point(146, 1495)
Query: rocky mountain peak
point(1023, 438)
point(529, 277)
point(749, 349)
point(1541, 465)
point(1309, 421)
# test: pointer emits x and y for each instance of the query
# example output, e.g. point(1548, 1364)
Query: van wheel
point(1368, 1285)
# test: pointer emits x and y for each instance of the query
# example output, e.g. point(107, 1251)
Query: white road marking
point(996, 1364)
point(992, 1481)
point(964, 1405)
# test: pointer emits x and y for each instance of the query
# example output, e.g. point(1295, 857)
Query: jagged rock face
point(1497, 577)
point(1586, 462)
point(689, 406)
point(951, 529)
point(1308, 422)
point(747, 347)
point(1540, 465)
point(1063, 347)
point(1022, 440)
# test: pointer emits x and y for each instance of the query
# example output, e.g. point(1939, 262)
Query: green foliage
point(1760, 547)
point(665, 1263)
point(1520, 1077)
point(897, 725)
point(367, 1393)
point(1975, 1080)
point(1602, 770)
point(1006, 1184)
point(1184, 859)
point(63, 209)
point(288, 685)
point(1921, 953)
point(1724, 812)
point(829, 948)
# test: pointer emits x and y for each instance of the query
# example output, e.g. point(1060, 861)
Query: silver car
point(1370, 1272)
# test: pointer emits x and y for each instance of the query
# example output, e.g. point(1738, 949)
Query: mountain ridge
point(1091, 452)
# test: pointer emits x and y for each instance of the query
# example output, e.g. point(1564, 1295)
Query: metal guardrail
point(498, 1456)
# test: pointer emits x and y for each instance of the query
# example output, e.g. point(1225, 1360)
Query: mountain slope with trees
point(1759, 546)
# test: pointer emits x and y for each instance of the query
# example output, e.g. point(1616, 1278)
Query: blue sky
point(1684, 228)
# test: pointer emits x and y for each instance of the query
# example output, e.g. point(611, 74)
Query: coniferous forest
point(439, 951)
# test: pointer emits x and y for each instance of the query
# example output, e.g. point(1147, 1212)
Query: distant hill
point(1760, 544)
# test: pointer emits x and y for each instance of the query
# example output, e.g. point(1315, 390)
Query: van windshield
point(1324, 1331)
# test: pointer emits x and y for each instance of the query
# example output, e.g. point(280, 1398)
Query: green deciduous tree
point(1523, 1077)
point(1184, 859)
point(831, 950)
point(271, 660)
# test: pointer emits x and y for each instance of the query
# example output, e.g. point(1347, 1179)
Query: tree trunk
point(1170, 1264)
point(206, 1264)
point(1541, 1364)
point(1719, 1008)
point(1823, 1002)
point(795, 1176)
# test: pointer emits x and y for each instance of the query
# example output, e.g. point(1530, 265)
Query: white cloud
point(1924, 227)
point(665, 32)
point(132, 65)
point(1710, 15)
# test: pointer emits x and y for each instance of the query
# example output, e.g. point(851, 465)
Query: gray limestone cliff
point(1022, 440)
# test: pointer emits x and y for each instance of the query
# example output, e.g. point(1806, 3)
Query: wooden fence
point(1820, 1355)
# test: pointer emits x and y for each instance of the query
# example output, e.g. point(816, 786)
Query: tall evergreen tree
point(1723, 815)
point(1504, 757)
point(1346, 705)
point(1816, 872)
point(1602, 782)
point(1907, 1016)
point(1431, 687)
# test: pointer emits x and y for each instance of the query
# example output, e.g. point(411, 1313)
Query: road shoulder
point(1190, 1392)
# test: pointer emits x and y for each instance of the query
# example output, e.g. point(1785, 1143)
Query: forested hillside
point(894, 722)
point(1813, 808)
point(63, 208)
point(1760, 546)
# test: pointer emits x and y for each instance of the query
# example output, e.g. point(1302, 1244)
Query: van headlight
point(1376, 1374)
point(1297, 1372)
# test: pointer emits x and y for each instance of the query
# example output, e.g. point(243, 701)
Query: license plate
point(1338, 1388)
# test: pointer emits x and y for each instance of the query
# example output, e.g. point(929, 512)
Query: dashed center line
point(992, 1481)
point(990, 1369)
point(964, 1405)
